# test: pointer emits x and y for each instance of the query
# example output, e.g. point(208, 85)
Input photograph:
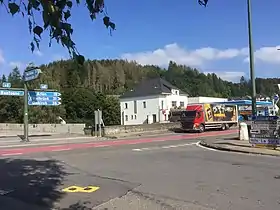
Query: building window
point(125, 106)
point(182, 104)
point(176, 92)
point(132, 117)
point(126, 117)
point(174, 103)
point(144, 104)
point(162, 104)
point(135, 107)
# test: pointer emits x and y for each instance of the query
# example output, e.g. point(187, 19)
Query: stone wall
point(13, 128)
point(119, 129)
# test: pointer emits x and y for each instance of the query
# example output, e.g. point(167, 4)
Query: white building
point(201, 99)
point(150, 102)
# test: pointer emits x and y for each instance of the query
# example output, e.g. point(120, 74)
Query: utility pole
point(251, 55)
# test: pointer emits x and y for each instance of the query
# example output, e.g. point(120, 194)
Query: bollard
point(243, 132)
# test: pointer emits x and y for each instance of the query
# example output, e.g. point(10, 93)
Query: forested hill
point(86, 88)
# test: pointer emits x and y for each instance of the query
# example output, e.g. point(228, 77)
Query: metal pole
point(25, 113)
point(251, 53)
point(99, 123)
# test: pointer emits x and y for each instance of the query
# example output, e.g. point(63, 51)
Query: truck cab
point(193, 118)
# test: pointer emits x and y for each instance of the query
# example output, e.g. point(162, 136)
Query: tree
point(55, 15)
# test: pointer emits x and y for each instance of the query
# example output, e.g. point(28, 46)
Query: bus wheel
point(201, 128)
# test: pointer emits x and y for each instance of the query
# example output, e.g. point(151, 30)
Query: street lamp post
point(251, 56)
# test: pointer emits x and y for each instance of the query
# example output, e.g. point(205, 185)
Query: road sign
point(11, 93)
point(31, 74)
point(43, 98)
point(6, 85)
point(44, 103)
point(43, 86)
point(43, 93)
point(265, 130)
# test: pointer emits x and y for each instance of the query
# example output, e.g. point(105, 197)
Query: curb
point(212, 146)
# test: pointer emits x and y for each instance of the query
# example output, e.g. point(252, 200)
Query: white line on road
point(163, 147)
point(60, 150)
point(8, 154)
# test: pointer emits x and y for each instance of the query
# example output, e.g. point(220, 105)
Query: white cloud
point(268, 55)
point(173, 52)
point(18, 64)
point(2, 60)
point(38, 53)
point(233, 76)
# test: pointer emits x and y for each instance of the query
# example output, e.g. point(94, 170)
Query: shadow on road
point(32, 184)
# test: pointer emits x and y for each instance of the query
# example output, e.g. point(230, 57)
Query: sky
point(212, 39)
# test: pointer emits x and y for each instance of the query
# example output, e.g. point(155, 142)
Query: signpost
point(44, 97)
point(31, 74)
point(6, 85)
point(265, 131)
point(98, 122)
point(43, 86)
point(10, 92)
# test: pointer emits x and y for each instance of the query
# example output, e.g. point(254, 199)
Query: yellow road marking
point(87, 189)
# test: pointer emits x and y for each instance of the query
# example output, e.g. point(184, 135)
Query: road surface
point(155, 175)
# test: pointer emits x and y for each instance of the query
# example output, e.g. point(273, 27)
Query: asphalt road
point(158, 175)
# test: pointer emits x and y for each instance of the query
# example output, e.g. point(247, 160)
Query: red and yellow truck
point(201, 117)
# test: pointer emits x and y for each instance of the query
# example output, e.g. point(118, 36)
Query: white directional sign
point(31, 74)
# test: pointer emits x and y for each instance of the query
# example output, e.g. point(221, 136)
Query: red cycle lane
point(67, 147)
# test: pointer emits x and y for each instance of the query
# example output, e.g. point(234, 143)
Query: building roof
point(150, 87)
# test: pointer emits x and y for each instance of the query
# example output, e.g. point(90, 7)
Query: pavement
point(235, 145)
point(167, 174)
point(9, 147)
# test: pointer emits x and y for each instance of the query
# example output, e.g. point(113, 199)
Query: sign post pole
point(25, 113)
point(30, 73)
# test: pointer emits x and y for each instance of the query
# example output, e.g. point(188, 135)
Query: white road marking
point(8, 154)
point(163, 147)
point(207, 148)
point(60, 150)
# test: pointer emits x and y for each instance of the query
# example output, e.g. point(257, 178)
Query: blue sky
point(213, 39)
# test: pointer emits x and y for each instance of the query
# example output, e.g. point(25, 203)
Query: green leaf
point(46, 19)
point(14, 8)
point(69, 4)
point(112, 25)
point(67, 14)
point(106, 21)
point(32, 46)
point(80, 59)
point(38, 30)
point(29, 25)
point(92, 16)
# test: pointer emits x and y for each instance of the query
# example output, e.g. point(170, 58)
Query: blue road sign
point(43, 86)
point(11, 93)
point(43, 93)
point(276, 97)
point(31, 74)
point(44, 103)
point(43, 98)
point(6, 85)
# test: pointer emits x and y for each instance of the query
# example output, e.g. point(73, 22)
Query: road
point(154, 175)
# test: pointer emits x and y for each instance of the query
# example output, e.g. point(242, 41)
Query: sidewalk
point(235, 145)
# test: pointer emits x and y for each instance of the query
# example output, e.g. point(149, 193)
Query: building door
point(154, 118)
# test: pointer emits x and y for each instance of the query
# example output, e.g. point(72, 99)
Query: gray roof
point(150, 87)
